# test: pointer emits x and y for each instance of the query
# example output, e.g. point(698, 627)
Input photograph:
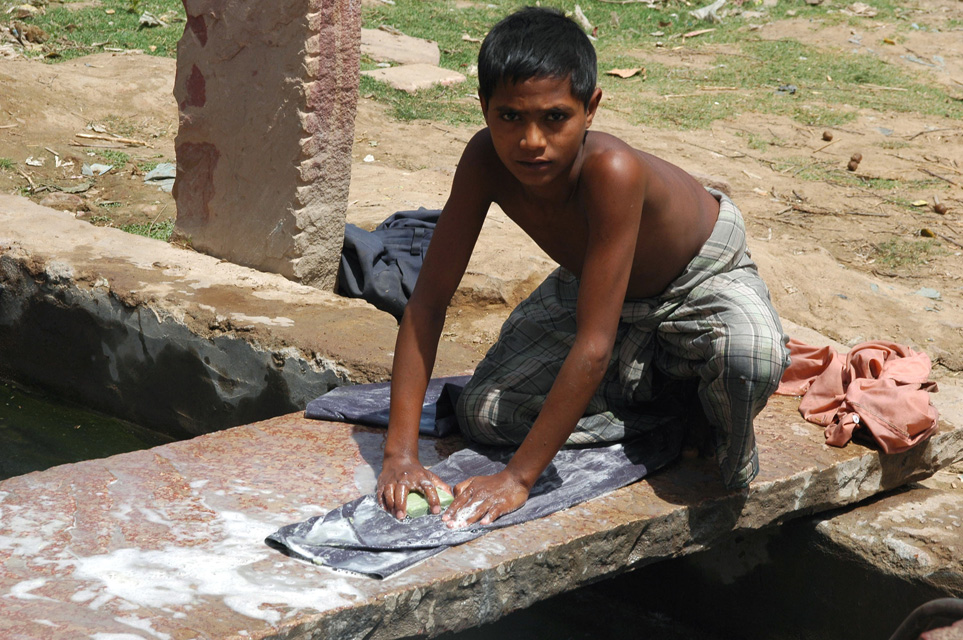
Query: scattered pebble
point(64, 202)
point(828, 136)
point(940, 208)
point(927, 292)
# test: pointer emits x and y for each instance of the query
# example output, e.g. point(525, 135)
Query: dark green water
point(38, 432)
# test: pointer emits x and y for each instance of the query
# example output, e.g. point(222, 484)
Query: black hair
point(537, 42)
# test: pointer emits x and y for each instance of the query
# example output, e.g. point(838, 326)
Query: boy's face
point(537, 127)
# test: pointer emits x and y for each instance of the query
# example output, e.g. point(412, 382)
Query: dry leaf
point(625, 73)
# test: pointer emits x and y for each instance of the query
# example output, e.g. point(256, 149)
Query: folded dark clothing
point(382, 266)
point(363, 538)
point(367, 404)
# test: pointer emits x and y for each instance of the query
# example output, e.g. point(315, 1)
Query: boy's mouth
point(536, 164)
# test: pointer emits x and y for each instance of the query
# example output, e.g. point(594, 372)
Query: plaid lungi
point(715, 324)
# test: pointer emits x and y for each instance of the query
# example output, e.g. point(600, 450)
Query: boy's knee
point(757, 361)
point(475, 411)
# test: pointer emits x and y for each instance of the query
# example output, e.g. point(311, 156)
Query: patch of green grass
point(103, 220)
point(146, 166)
point(79, 32)
point(894, 144)
point(833, 171)
point(7, 163)
point(455, 104)
point(156, 230)
point(831, 83)
point(114, 157)
point(758, 142)
point(119, 125)
point(896, 253)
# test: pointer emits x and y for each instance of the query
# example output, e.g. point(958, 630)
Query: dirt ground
point(819, 243)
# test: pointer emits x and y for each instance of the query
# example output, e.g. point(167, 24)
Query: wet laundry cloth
point(363, 538)
point(381, 266)
point(368, 404)
point(880, 388)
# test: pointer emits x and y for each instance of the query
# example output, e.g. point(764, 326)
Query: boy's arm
point(421, 325)
point(613, 193)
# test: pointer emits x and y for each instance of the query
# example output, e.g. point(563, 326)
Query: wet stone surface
point(170, 540)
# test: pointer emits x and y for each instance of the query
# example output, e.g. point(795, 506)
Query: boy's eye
point(556, 116)
point(509, 116)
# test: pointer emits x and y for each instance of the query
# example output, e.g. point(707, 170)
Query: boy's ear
point(593, 106)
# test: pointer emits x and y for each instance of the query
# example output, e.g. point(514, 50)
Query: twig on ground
point(916, 135)
point(825, 145)
point(882, 88)
point(936, 175)
point(950, 240)
point(96, 136)
point(32, 185)
point(725, 155)
point(8, 126)
point(820, 212)
point(98, 146)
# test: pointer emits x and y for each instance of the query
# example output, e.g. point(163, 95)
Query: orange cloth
point(881, 386)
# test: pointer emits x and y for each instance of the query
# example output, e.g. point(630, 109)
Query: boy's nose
point(533, 138)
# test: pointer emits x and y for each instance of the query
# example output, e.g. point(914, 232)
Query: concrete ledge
point(169, 541)
point(171, 339)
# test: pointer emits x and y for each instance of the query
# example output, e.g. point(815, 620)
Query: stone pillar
point(267, 93)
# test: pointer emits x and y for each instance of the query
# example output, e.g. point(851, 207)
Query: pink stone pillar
point(267, 93)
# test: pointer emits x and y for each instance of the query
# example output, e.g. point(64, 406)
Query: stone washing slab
point(915, 534)
point(170, 338)
point(169, 542)
point(415, 77)
point(381, 46)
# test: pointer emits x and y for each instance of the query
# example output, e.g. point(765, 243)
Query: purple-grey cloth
point(362, 537)
point(367, 404)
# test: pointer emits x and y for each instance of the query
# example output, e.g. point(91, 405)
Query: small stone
point(33, 33)
point(24, 11)
point(64, 202)
point(928, 292)
point(940, 208)
point(414, 77)
point(827, 136)
point(382, 46)
point(852, 166)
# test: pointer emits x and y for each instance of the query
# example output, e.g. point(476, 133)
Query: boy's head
point(537, 42)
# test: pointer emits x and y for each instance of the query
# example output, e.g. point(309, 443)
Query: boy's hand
point(485, 498)
point(400, 477)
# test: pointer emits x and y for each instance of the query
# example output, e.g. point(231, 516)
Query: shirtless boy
point(654, 276)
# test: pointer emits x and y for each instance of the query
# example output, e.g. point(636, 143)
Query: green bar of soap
point(417, 506)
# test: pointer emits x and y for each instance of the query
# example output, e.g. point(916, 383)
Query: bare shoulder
point(476, 176)
point(610, 158)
